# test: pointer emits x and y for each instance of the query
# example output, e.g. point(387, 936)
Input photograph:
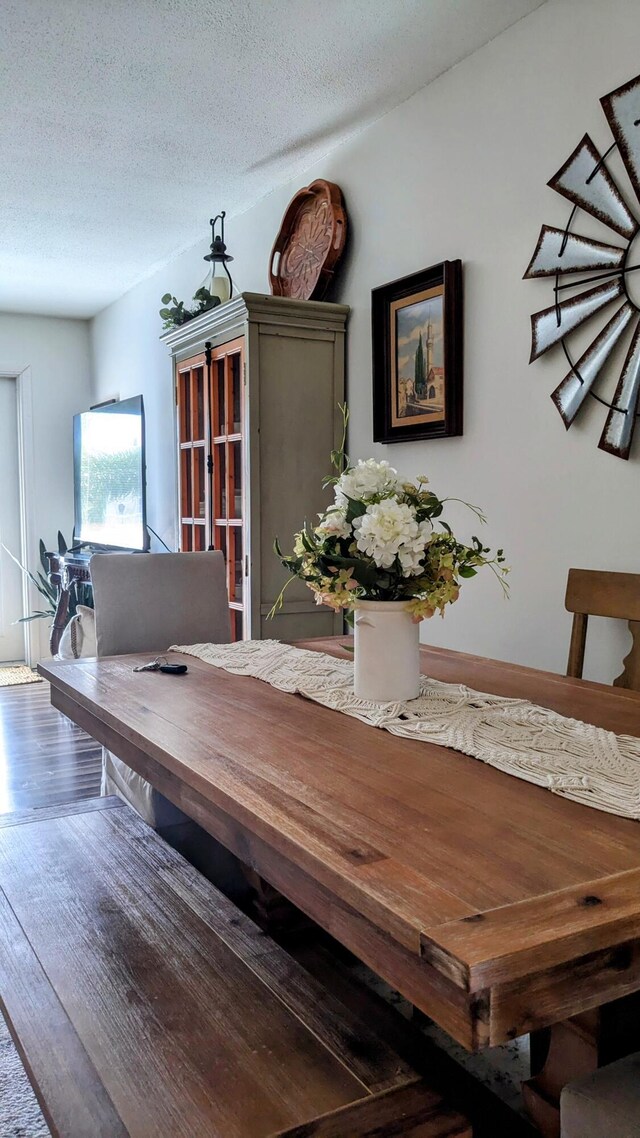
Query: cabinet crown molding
point(251, 307)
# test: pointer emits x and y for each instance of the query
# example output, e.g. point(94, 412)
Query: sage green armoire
point(258, 383)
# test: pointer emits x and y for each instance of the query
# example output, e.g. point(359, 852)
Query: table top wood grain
point(493, 904)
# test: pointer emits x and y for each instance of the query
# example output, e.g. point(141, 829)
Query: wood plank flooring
point(44, 758)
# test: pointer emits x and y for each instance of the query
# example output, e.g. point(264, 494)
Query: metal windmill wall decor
point(592, 275)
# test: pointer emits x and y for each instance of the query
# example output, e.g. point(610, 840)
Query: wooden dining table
point(495, 906)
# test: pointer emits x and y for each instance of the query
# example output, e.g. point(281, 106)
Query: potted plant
point(382, 552)
point(79, 592)
point(177, 314)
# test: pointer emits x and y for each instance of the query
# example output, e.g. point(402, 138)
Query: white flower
point(334, 523)
point(388, 530)
point(367, 480)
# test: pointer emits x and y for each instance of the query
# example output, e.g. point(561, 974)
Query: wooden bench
point(143, 1003)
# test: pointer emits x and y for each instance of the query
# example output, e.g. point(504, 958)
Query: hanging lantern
point(218, 281)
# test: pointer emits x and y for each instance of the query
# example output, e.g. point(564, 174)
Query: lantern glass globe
point(217, 282)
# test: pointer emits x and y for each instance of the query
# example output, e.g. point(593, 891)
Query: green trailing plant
point(177, 314)
point(79, 594)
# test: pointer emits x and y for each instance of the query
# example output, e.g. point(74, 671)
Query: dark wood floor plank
point(45, 759)
point(22, 817)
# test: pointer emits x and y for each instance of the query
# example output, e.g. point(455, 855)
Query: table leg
point(573, 1048)
point(271, 910)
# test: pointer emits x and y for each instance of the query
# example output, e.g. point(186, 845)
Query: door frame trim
point(26, 490)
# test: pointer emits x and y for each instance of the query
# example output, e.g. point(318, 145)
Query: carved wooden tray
point(310, 242)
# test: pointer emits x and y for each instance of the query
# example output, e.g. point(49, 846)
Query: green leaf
point(329, 480)
point(355, 509)
point(46, 584)
point(467, 571)
point(364, 573)
point(62, 545)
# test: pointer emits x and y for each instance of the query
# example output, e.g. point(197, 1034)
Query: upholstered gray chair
point(605, 1104)
point(144, 603)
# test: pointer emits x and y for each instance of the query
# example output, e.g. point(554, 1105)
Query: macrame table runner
point(574, 759)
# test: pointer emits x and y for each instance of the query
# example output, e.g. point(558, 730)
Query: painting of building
point(419, 387)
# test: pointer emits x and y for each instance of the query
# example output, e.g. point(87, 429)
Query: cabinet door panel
point(297, 424)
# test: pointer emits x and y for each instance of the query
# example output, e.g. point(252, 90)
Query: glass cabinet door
point(192, 400)
point(211, 463)
point(226, 399)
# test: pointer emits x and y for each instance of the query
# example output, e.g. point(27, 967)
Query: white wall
point(58, 353)
point(459, 170)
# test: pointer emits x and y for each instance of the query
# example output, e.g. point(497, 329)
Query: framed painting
point(417, 355)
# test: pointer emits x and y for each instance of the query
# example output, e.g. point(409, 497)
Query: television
point(109, 476)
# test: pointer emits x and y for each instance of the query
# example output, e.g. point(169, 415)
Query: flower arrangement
point(383, 539)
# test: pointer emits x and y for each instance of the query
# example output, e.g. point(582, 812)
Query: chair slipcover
point(605, 1104)
point(144, 603)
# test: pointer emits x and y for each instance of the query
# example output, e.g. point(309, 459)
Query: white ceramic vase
point(387, 656)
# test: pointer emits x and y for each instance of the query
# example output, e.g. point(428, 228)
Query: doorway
point(12, 640)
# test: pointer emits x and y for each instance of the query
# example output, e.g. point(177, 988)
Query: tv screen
point(109, 476)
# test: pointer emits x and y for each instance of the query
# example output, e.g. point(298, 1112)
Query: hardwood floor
point(45, 759)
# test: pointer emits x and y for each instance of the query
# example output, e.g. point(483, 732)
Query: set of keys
point(161, 664)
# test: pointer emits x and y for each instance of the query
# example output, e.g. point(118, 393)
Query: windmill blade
point(592, 188)
point(572, 392)
point(551, 324)
point(621, 420)
point(560, 252)
point(622, 108)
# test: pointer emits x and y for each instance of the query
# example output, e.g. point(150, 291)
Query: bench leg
point(576, 1047)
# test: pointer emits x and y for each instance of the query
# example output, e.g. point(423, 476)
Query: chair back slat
point(593, 592)
point(577, 645)
point(598, 593)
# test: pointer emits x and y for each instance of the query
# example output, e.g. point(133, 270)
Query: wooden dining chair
point(592, 592)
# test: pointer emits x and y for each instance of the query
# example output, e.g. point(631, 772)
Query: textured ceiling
point(126, 123)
